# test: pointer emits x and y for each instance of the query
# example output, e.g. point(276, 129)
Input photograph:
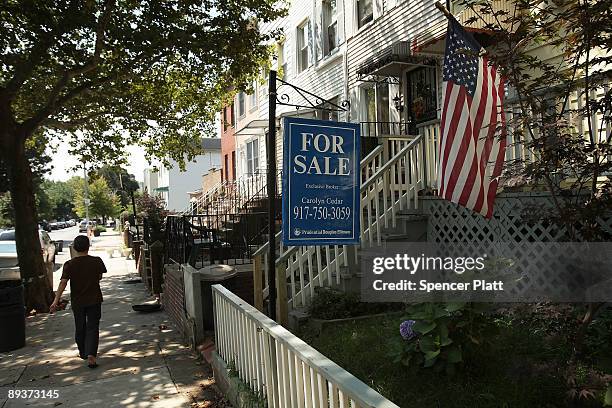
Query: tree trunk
point(588, 317)
point(38, 293)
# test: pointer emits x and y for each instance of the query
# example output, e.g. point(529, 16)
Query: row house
point(382, 56)
point(177, 187)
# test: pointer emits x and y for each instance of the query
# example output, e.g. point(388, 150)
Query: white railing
point(280, 366)
point(393, 188)
point(430, 132)
point(388, 186)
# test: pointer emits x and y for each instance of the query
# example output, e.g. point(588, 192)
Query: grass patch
point(522, 367)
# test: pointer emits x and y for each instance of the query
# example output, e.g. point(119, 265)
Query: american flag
point(473, 136)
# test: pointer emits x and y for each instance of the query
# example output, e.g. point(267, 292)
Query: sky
point(63, 162)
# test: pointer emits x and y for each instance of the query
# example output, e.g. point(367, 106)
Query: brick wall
point(173, 298)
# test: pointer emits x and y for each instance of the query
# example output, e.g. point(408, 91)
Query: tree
point(103, 202)
point(120, 181)
point(558, 60)
point(147, 73)
point(60, 200)
point(153, 209)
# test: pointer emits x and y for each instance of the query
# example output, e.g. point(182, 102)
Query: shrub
point(100, 228)
point(438, 335)
point(331, 304)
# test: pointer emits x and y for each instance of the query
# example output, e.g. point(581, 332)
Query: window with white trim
point(284, 59)
point(330, 26)
point(365, 12)
point(303, 46)
point(241, 104)
point(253, 97)
point(252, 156)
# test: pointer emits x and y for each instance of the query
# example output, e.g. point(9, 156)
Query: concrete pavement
point(142, 362)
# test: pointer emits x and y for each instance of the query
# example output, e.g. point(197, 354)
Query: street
point(66, 234)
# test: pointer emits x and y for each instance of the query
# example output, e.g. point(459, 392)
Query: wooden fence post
point(258, 283)
point(282, 313)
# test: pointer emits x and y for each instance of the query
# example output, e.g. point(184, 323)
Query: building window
point(252, 156)
point(233, 116)
point(329, 114)
point(330, 26)
point(283, 59)
point(226, 167)
point(233, 164)
point(365, 12)
point(376, 110)
point(382, 107)
point(225, 121)
point(303, 46)
point(241, 104)
point(253, 97)
point(422, 103)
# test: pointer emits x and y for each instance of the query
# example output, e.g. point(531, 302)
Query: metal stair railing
point(388, 186)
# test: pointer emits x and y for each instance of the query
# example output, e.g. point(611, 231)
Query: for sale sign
point(320, 182)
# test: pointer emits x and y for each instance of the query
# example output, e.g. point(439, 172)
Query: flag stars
point(461, 62)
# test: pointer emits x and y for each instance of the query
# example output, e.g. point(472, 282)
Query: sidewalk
point(142, 361)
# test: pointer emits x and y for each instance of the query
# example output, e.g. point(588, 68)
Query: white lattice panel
point(451, 223)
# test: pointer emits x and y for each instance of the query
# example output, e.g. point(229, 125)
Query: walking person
point(84, 273)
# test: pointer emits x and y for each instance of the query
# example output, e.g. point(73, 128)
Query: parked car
point(83, 225)
point(9, 264)
point(53, 225)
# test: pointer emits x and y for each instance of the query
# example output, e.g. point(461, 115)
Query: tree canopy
point(151, 73)
point(107, 73)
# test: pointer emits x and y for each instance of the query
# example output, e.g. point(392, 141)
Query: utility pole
point(86, 197)
point(271, 186)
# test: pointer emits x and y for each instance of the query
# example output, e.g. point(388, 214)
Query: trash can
point(211, 275)
point(12, 315)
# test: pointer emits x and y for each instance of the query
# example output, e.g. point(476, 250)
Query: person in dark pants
point(84, 273)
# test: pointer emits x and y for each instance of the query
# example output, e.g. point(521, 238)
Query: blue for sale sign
point(321, 182)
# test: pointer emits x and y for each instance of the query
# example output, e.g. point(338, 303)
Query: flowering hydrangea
point(406, 329)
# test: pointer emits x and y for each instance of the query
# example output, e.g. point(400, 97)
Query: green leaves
point(444, 331)
point(608, 397)
point(424, 327)
point(454, 355)
point(147, 73)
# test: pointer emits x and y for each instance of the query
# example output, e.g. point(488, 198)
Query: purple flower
point(406, 329)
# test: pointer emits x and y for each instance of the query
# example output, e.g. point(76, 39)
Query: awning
point(255, 127)
point(393, 60)
point(161, 189)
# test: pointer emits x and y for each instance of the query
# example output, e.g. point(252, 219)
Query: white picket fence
point(280, 366)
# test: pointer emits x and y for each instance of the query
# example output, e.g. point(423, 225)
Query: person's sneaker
point(91, 362)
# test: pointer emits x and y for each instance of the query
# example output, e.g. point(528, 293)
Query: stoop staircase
point(236, 213)
point(393, 176)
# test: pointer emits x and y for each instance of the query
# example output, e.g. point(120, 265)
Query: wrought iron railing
point(227, 229)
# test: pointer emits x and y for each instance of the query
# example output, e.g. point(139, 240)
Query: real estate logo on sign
point(321, 182)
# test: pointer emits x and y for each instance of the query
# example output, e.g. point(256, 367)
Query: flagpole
point(444, 10)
